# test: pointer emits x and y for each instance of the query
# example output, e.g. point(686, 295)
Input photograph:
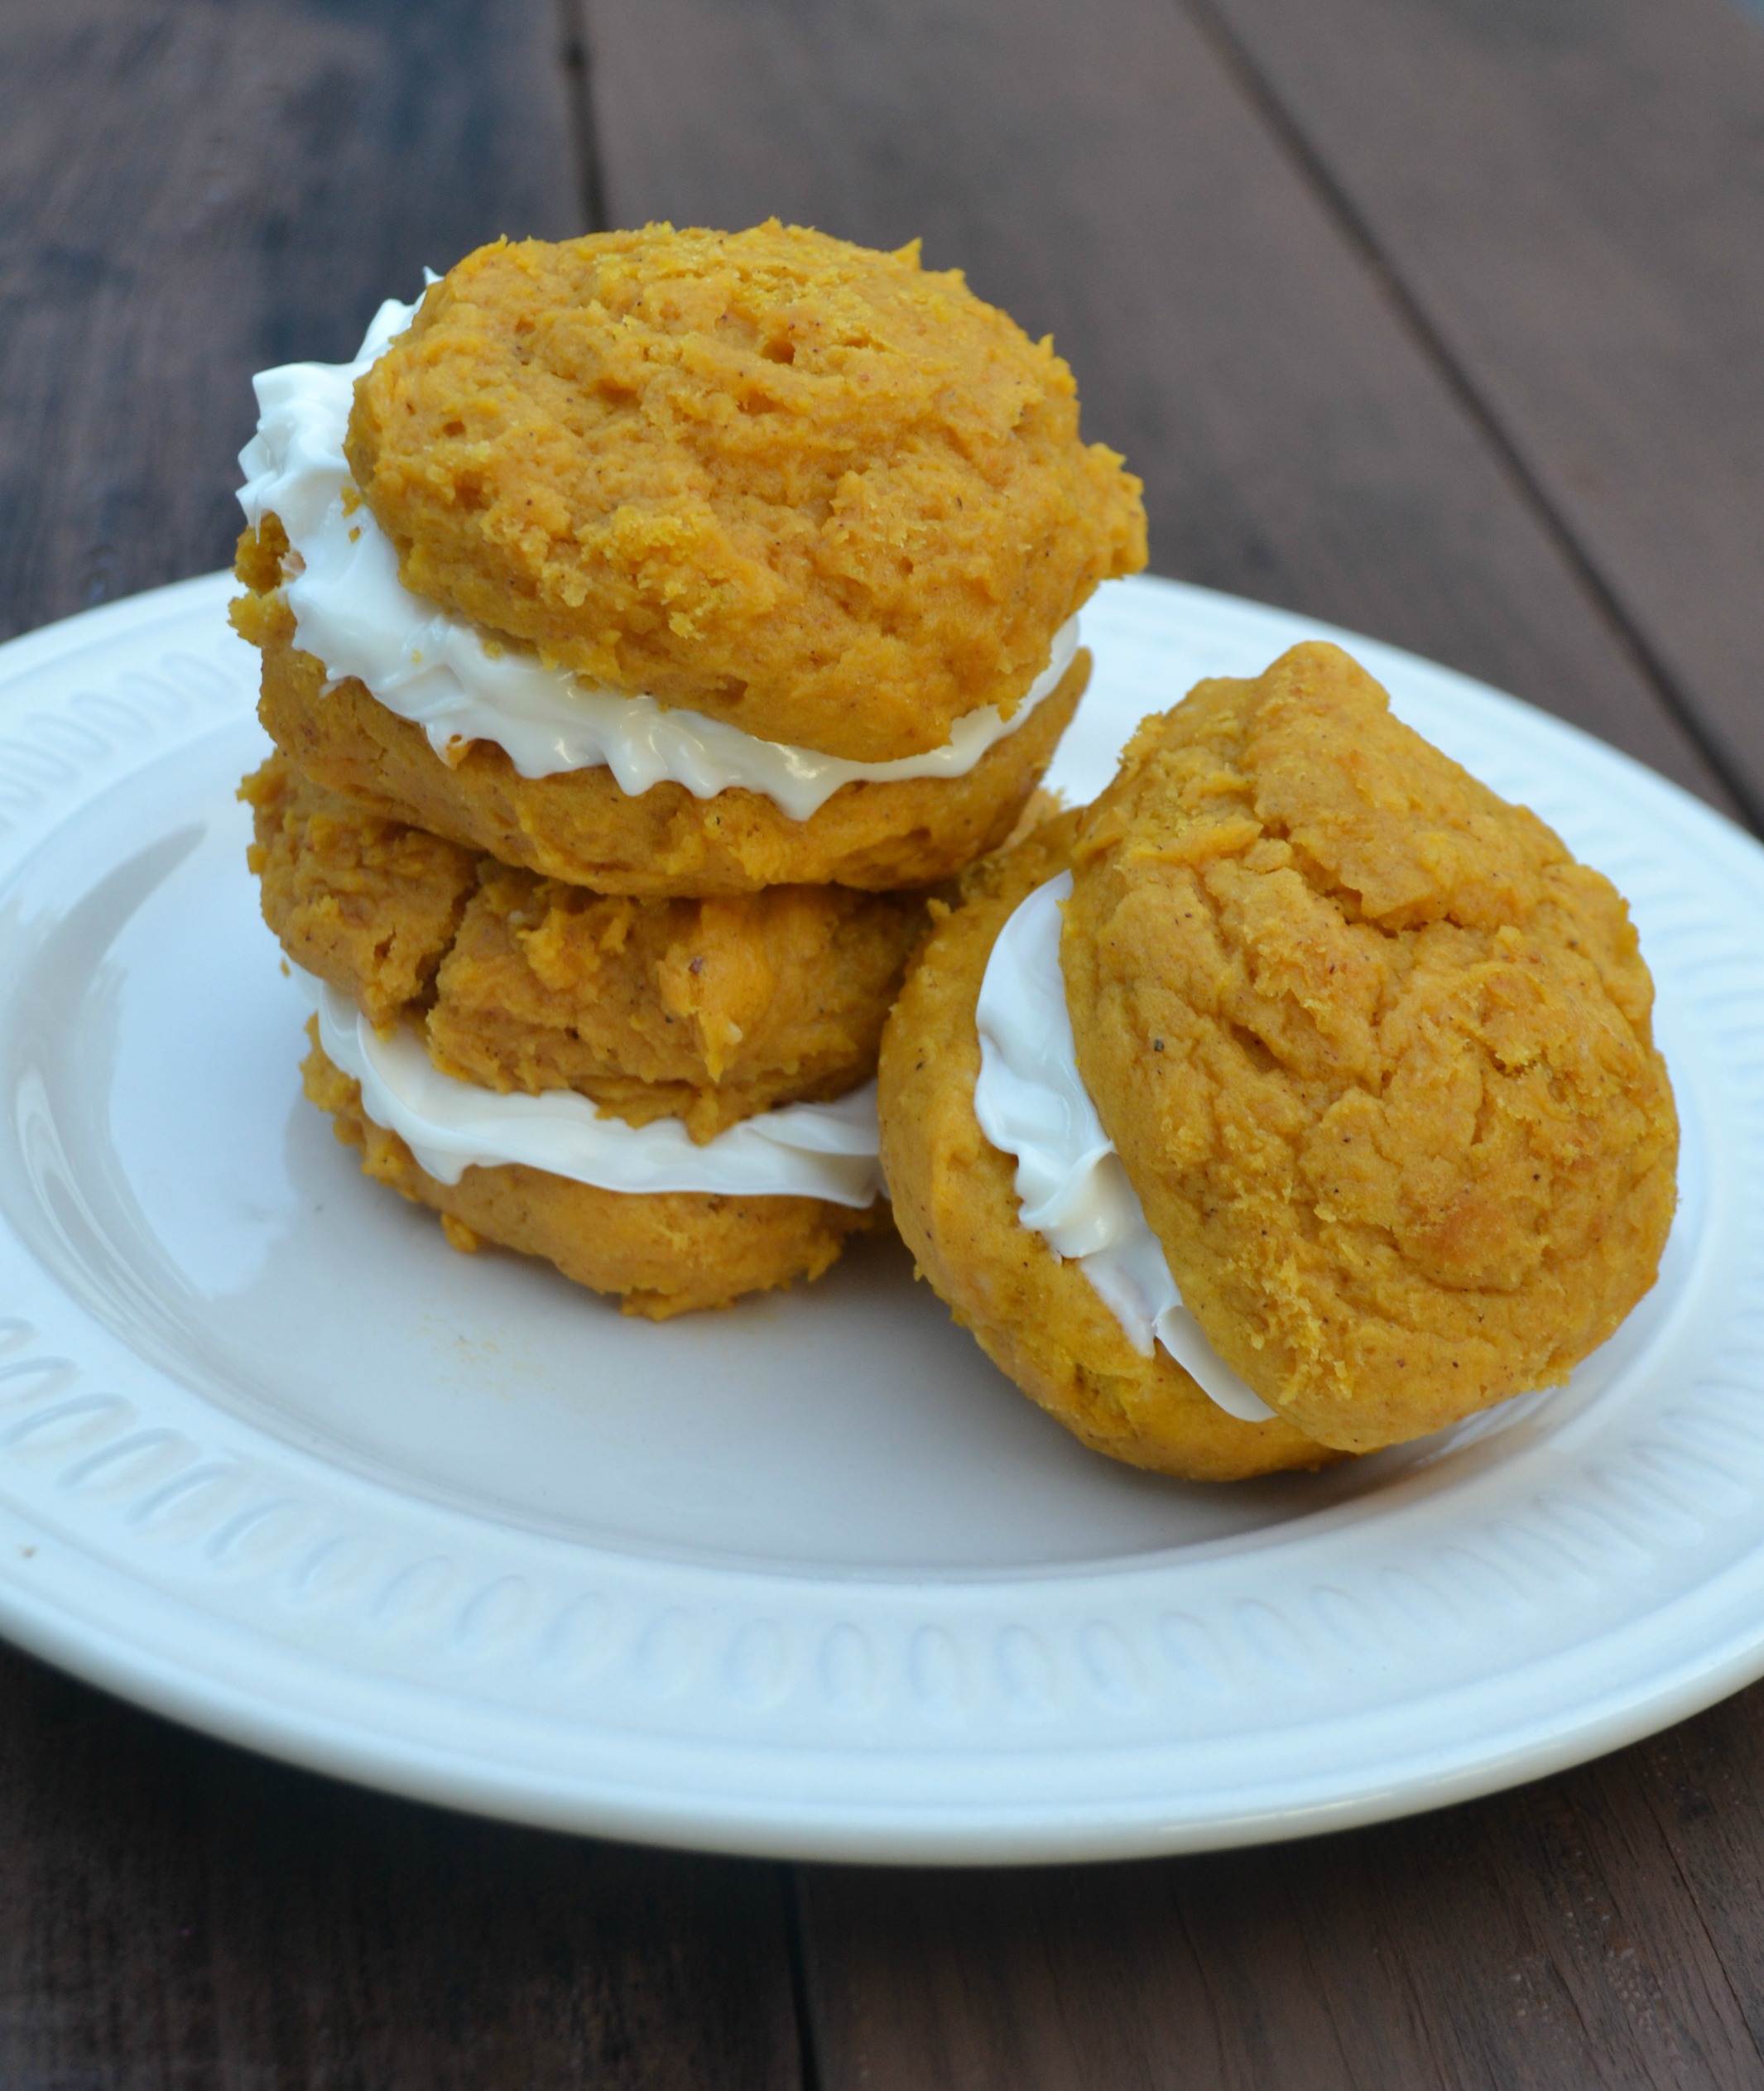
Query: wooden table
point(1441, 318)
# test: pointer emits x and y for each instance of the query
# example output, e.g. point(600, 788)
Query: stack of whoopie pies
point(648, 621)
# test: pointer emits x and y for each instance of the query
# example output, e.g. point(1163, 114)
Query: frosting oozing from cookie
point(430, 666)
point(1031, 1102)
point(824, 1151)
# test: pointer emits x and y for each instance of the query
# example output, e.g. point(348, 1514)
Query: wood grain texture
point(1572, 194)
point(1597, 1930)
point(174, 1913)
point(1107, 174)
point(1103, 174)
point(188, 191)
point(191, 191)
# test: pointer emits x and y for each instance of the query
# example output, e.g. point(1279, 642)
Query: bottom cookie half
point(663, 1253)
point(1037, 1317)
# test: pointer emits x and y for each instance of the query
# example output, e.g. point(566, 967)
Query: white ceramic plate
point(808, 1578)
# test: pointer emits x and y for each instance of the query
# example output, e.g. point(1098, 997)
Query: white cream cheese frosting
point(799, 1151)
point(1072, 1188)
point(431, 667)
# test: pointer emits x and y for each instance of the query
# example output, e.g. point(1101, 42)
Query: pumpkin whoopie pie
point(1373, 1050)
point(646, 621)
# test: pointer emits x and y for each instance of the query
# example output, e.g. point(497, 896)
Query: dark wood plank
point(1540, 1941)
point(1572, 193)
point(174, 1913)
point(1703, 1783)
point(1108, 173)
point(1102, 173)
point(1105, 175)
point(191, 190)
point(188, 191)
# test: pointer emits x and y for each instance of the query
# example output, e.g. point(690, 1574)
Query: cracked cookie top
point(820, 491)
point(1376, 1052)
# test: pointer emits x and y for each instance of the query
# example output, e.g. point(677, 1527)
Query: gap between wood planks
point(802, 1992)
point(578, 76)
point(1289, 133)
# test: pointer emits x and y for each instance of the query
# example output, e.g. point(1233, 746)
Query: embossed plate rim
point(1081, 1713)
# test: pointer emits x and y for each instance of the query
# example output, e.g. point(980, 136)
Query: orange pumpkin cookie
point(1038, 1317)
point(818, 491)
point(1375, 1051)
point(707, 1011)
point(662, 1253)
point(579, 826)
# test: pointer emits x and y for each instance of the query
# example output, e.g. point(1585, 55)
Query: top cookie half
point(818, 491)
point(1376, 1052)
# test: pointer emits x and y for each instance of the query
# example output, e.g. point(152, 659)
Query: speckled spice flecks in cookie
point(1376, 1052)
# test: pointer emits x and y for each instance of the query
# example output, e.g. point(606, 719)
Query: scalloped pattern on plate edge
point(1601, 1579)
